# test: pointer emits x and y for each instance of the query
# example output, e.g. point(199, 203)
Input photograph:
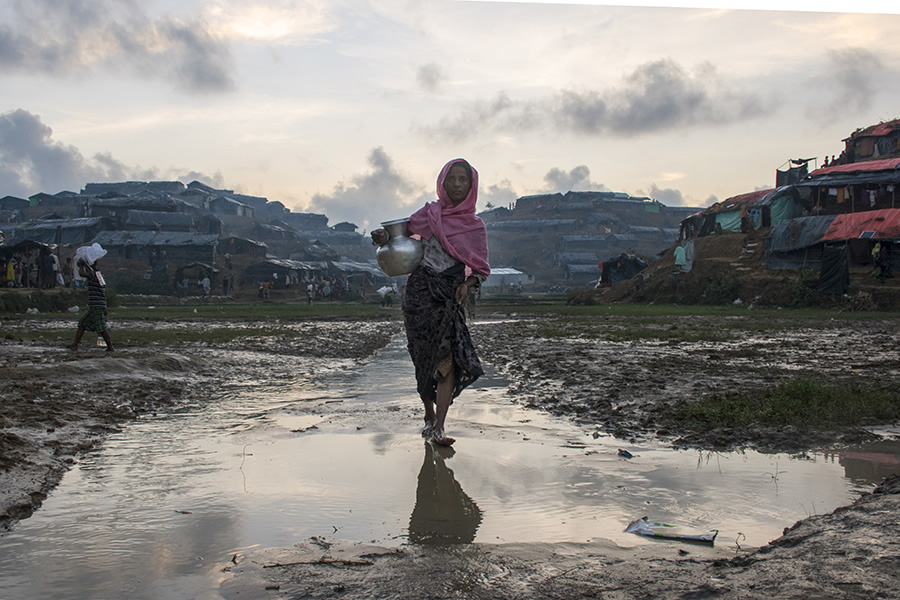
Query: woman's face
point(457, 184)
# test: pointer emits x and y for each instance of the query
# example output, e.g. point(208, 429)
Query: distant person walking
point(11, 272)
point(86, 258)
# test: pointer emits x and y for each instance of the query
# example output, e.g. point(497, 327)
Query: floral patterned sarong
point(436, 327)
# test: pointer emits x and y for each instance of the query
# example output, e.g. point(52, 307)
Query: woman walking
point(455, 261)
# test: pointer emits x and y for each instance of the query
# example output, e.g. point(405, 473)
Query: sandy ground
point(58, 405)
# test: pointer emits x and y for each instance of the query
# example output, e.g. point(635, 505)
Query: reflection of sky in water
point(335, 452)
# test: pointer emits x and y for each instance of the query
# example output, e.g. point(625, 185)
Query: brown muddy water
point(170, 500)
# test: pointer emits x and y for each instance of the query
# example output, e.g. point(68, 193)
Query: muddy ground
point(615, 374)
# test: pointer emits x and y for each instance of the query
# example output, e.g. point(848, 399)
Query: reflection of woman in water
point(443, 513)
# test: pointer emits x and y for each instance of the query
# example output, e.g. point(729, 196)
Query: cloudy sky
point(350, 107)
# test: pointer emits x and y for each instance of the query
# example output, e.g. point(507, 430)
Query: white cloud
point(31, 160)
point(578, 178)
point(381, 194)
point(273, 21)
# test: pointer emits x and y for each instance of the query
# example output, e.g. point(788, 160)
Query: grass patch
point(241, 312)
point(802, 403)
point(254, 311)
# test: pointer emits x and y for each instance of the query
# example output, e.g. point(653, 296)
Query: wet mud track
point(607, 373)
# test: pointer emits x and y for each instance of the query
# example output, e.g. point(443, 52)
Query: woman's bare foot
point(438, 437)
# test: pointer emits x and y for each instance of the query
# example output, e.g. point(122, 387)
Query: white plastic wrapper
point(673, 532)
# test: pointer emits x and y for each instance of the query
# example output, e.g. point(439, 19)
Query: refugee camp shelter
point(237, 245)
point(264, 231)
point(142, 201)
point(797, 244)
point(132, 188)
point(575, 243)
point(27, 248)
point(543, 225)
point(228, 206)
point(764, 208)
point(833, 243)
point(155, 220)
point(855, 187)
point(13, 203)
point(179, 246)
point(873, 142)
point(620, 268)
point(287, 270)
point(502, 277)
point(352, 268)
point(582, 273)
point(59, 231)
point(578, 258)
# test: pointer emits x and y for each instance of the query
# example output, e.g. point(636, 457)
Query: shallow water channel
point(163, 508)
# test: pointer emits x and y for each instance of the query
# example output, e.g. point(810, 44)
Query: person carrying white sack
point(94, 319)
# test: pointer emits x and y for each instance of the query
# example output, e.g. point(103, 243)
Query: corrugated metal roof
point(505, 271)
point(64, 223)
point(348, 266)
point(594, 268)
point(287, 263)
point(157, 217)
point(155, 238)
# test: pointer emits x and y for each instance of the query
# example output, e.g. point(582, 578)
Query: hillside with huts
point(163, 237)
point(828, 235)
point(808, 239)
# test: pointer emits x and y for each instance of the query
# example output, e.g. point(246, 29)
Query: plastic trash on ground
point(673, 532)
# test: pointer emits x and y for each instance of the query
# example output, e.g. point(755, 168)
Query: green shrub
point(722, 289)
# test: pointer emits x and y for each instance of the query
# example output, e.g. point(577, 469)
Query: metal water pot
point(401, 254)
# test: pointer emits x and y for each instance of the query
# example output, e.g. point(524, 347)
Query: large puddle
point(171, 499)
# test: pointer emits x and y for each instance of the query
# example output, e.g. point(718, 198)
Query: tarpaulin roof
point(798, 233)
point(884, 224)
point(155, 238)
point(290, 264)
point(876, 172)
point(740, 200)
point(757, 198)
point(876, 130)
point(884, 164)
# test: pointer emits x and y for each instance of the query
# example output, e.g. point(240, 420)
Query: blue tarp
point(798, 233)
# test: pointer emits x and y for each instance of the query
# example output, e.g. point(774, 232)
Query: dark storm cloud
point(217, 180)
point(854, 74)
point(32, 161)
point(477, 115)
point(381, 194)
point(578, 178)
point(71, 37)
point(429, 76)
point(658, 96)
point(668, 196)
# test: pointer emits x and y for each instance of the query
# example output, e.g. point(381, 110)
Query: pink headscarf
point(460, 231)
